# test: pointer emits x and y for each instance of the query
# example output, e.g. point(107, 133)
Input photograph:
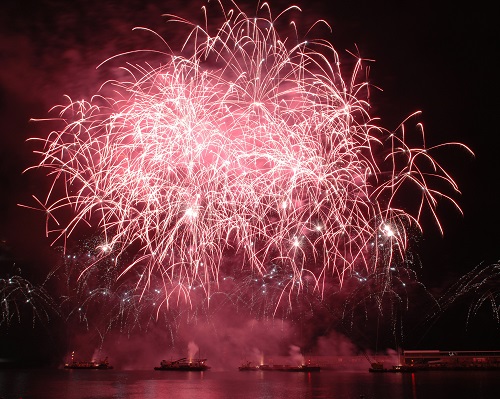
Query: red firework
point(242, 145)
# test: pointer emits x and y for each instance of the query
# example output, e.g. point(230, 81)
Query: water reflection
point(113, 384)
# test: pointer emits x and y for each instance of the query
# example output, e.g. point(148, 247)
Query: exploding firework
point(477, 289)
point(97, 300)
point(246, 155)
point(18, 296)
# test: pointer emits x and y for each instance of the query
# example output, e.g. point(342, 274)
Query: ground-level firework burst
point(245, 153)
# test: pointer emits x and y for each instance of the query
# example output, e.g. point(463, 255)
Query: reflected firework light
point(247, 158)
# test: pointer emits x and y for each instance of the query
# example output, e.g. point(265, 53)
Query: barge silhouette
point(183, 364)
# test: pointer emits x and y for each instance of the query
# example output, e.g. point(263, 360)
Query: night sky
point(436, 58)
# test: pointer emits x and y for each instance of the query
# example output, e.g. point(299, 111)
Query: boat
point(378, 367)
point(304, 368)
point(247, 366)
point(89, 365)
point(183, 364)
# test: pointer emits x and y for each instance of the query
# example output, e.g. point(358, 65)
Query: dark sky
point(437, 57)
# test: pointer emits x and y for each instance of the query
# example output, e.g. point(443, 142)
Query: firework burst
point(246, 153)
point(477, 288)
point(18, 295)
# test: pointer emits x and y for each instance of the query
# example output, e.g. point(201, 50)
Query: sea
point(151, 384)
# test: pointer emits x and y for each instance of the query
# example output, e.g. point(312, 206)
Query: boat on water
point(378, 367)
point(304, 368)
point(247, 366)
point(183, 364)
point(89, 365)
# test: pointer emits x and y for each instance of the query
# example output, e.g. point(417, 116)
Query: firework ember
point(18, 294)
point(245, 153)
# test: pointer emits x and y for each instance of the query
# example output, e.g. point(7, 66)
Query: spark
point(243, 144)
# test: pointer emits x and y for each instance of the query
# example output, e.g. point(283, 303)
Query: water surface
point(150, 384)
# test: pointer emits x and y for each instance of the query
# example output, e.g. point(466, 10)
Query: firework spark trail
point(479, 287)
point(242, 143)
point(17, 293)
